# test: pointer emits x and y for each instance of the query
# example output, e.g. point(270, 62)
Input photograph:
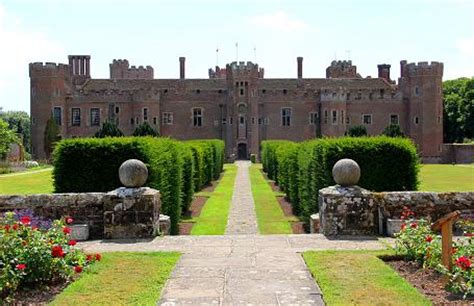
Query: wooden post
point(446, 226)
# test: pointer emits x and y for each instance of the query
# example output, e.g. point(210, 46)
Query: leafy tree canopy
point(19, 122)
point(393, 130)
point(109, 129)
point(7, 136)
point(145, 129)
point(458, 100)
point(357, 131)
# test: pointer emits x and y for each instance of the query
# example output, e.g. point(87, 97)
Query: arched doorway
point(242, 151)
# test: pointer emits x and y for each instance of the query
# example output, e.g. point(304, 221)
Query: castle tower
point(79, 68)
point(422, 85)
point(242, 136)
point(49, 86)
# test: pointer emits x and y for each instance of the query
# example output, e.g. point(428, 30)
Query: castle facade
point(238, 104)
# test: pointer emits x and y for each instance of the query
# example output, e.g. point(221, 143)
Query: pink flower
point(25, 220)
point(69, 220)
point(20, 267)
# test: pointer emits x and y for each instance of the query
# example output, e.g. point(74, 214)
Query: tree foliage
point(19, 122)
point(145, 129)
point(393, 130)
point(7, 136)
point(357, 131)
point(109, 129)
point(458, 99)
point(51, 136)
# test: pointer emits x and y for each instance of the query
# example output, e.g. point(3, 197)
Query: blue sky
point(156, 33)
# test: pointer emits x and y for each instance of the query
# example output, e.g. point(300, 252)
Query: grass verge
point(360, 278)
point(27, 183)
point(213, 217)
point(447, 178)
point(270, 217)
point(121, 279)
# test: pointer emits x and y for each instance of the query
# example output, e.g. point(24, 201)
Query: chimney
point(384, 71)
point(299, 59)
point(181, 67)
point(402, 68)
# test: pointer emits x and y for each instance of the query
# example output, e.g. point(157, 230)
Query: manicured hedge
point(387, 164)
point(91, 164)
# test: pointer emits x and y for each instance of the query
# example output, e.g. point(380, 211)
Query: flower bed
point(417, 242)
point(35, 253)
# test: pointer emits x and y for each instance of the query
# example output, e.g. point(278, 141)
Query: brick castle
point(237, 104)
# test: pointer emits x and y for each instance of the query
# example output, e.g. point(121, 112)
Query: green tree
point(357, 131)
point(145, 129)
point(51, 136)
point(19, 122)
point(393, 130)
point(7, 136)
point(108, 129)
point(458, 100)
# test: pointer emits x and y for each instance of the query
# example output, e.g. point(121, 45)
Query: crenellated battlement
point(120, 69)
point(243, 69)
point(48, 69)
point(423, 68)
point(342, 69)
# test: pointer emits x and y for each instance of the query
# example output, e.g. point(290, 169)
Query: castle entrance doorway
point(242, 151)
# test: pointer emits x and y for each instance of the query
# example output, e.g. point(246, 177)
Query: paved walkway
point(240, 267)
point(242, 218)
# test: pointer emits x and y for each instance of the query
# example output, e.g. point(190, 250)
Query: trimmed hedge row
point(176, 169)
point(387, 164)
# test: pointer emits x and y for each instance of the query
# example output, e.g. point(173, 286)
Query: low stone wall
point(458, 153)
point(356, 211)
point(85, 208)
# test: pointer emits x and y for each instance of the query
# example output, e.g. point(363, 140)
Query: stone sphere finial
point(133, 173)
point(346, 172)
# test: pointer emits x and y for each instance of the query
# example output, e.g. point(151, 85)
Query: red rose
point(20, 267)
point(78, 269)
point(57, 251)
point(72, 242)
point(66, 230)
point(428, 239)
point(89, 257)
point(413, 225)
point(69, 220)
point(16, 226)
point(404, 225)
point(25, 220)
point(463, 262)
point(98, 257)
point(7, 227)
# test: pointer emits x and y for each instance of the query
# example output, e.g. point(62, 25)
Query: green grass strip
point(27, 183)
point(213, 218)
point(360, 278)
point(447, 178)
point(270, 217)
point(121, 278)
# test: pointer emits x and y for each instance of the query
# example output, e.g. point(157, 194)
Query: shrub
point(109, 129)
point(357, 131)
point(198, 160)
point(145, 129)
point(188, 176)
point(287, 173)
point(253, 158)
point(269, 158)
point(51, 136)
point(33, 257)
point(393, 130)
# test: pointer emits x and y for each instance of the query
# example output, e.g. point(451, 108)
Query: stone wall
point(356, 211)
point(458, 153)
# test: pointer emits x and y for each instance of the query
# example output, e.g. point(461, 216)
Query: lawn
point(121, 279)
point(27, 182)
point(213, 218)
point(447, 178)
point(360, 278)
point(270, 217)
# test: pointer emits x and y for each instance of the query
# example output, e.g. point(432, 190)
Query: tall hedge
point(387, 164)
point(91, 164)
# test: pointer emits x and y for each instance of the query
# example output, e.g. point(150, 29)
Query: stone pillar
point(88, 66)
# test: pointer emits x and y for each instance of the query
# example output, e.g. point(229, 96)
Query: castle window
point(348, 96)
point(264, 91)
point(57, 115)
point(246, 83)
point(253, 120)
point(167, 118)
point(76, 116)
point(197, 116)
point(259, 120)
point(145, 114)
point(313, 118)
point(417, 91)
point(231, 120)
point(382, 92)
point(286, 116)
point(117, 109)
point(334, 117)
point(242, 92)
point(394, 119)
point(285, 91)
point(166, 91)
point(198, 91)
point(416, 120)
point(367, 119)
point(371, 96)
point(137, 120)
point(219, 91)
point(348, 120)
point(342, 117)
point(359, 96)
point(95, 116)
point(132, 121)
point(224, 121)
point(236, 84)
point(325, 117)
point(154, 120)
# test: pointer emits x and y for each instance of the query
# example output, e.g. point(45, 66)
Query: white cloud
point(20, 46)
point(279, 20)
